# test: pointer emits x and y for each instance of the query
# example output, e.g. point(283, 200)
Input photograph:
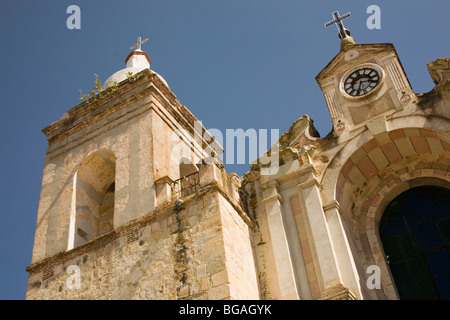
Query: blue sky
point(235, 64)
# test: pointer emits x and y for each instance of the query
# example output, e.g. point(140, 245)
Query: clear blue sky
point(234, 64)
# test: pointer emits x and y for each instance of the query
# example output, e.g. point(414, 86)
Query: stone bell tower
point(135, 203)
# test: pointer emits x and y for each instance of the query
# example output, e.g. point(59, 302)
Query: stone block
point(220, 278)
point(221, 292)
point(215, 264)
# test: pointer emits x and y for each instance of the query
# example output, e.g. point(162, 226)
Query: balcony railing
point(186, 185)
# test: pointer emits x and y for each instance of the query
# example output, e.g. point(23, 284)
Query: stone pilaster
point(317, 226)
point(280, 245)
point(342, 249)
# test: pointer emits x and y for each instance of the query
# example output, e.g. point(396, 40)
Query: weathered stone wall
point(130, 146)
point(153, 249)
point(238, 254)
point(185, 253)
point(135, 124)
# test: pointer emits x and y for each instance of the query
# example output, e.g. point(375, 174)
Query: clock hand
point(364, 85)
point(367, 82)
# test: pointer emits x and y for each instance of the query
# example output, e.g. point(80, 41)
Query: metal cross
point(338, 21)
point(138, 44)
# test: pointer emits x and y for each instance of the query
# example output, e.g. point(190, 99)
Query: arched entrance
point(371, 176)
point(415, 235)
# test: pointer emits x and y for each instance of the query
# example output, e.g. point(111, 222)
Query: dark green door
point(415, 233)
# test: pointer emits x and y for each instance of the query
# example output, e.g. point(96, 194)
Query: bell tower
point(135, 203)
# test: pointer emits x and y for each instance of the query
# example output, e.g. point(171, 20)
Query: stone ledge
point(128, 231)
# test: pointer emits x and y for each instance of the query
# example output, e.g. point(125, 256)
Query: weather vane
point(340, 25)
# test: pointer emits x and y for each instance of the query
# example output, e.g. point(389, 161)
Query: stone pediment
point(301, 138)
point(353, 55)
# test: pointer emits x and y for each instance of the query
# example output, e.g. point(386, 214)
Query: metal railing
point(186, 185)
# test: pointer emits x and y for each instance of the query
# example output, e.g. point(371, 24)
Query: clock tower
point(363, 82)
point(359, 213)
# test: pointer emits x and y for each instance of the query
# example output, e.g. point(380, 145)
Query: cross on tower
point(138, 44)
point(338, 21)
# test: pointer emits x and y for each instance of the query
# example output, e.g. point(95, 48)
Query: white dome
point(135, 62)
point(123, 74)
point(160, 78)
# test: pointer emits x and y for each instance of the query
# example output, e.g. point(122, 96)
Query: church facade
point(136, 204)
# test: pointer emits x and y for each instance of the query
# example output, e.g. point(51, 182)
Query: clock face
point(361, 82)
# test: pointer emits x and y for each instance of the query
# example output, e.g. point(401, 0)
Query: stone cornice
point(112, 109)
point(271, 198)
point(332, 205)
point(309, 183)
point(375, 47)
point(74, 115)
point(89, 112)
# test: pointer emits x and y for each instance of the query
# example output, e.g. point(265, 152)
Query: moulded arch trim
point(330, 176)
point(435, 123)
point(362, 201)
point(377, 254)
point(404, 186)
point(86, 169)
point(103, 153)
point(93, 176)
point(331, 173)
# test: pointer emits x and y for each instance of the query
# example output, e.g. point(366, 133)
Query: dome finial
point(138, 58)
point(135, 62)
